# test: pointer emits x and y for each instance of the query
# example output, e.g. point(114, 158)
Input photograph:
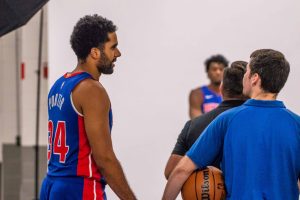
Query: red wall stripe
point(22, 71)
point(45, 70)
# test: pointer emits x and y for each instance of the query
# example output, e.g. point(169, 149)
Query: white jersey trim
point(90, 165)
point(78, 113)
point(95, 194)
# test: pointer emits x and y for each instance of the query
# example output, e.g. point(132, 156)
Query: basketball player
point(258, 142)
point(81, 159)
point(232, 92)
point(206, 98)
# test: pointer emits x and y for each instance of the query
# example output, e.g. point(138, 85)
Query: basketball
point(204, 184)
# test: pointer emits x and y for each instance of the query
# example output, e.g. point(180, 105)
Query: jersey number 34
point(59, 145)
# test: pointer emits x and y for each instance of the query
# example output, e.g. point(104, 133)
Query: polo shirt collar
point(264, 103)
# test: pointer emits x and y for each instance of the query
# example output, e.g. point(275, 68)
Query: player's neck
point(214, 87)
point(87, 67)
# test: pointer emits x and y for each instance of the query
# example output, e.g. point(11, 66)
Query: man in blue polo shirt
point(258, 142)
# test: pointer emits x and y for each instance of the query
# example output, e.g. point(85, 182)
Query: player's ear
point(95, 53)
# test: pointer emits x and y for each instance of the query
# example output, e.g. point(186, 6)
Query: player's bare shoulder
point(196, 94)
point(89, 88)
point(89, 91)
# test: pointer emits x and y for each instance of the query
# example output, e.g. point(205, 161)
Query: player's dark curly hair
point(272, 67)
point(90, 31)
point(216, 58)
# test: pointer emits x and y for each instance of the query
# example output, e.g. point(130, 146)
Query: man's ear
point(222, 89)
point(255, 79)
point(95, 53)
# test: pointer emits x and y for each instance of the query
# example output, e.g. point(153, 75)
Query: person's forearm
point(168, 172)
point(171, 164)
point(169, 167)
point(115, 178)
point(173, 187)
point(177, 178)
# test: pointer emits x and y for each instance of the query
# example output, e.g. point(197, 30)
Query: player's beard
point(104, 65)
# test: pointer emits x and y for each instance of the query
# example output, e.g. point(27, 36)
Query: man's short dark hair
point(272, 68)
point(215, 58)
point(233, 79)
point(90, 31)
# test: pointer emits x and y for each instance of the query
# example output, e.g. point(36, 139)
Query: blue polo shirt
point(259, 145)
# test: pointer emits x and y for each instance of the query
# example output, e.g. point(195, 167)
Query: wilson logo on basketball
point(205, 186)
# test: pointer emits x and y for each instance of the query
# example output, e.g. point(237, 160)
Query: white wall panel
point(30, 48)
point(8, 116)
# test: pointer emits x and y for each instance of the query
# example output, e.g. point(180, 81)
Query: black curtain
point(15, 13)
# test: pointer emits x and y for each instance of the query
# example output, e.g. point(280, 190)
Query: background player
point(204, 99)
point(232, 92)
point(80, 154)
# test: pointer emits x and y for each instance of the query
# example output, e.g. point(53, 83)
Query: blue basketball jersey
point(69, 152)
point(211, 100)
